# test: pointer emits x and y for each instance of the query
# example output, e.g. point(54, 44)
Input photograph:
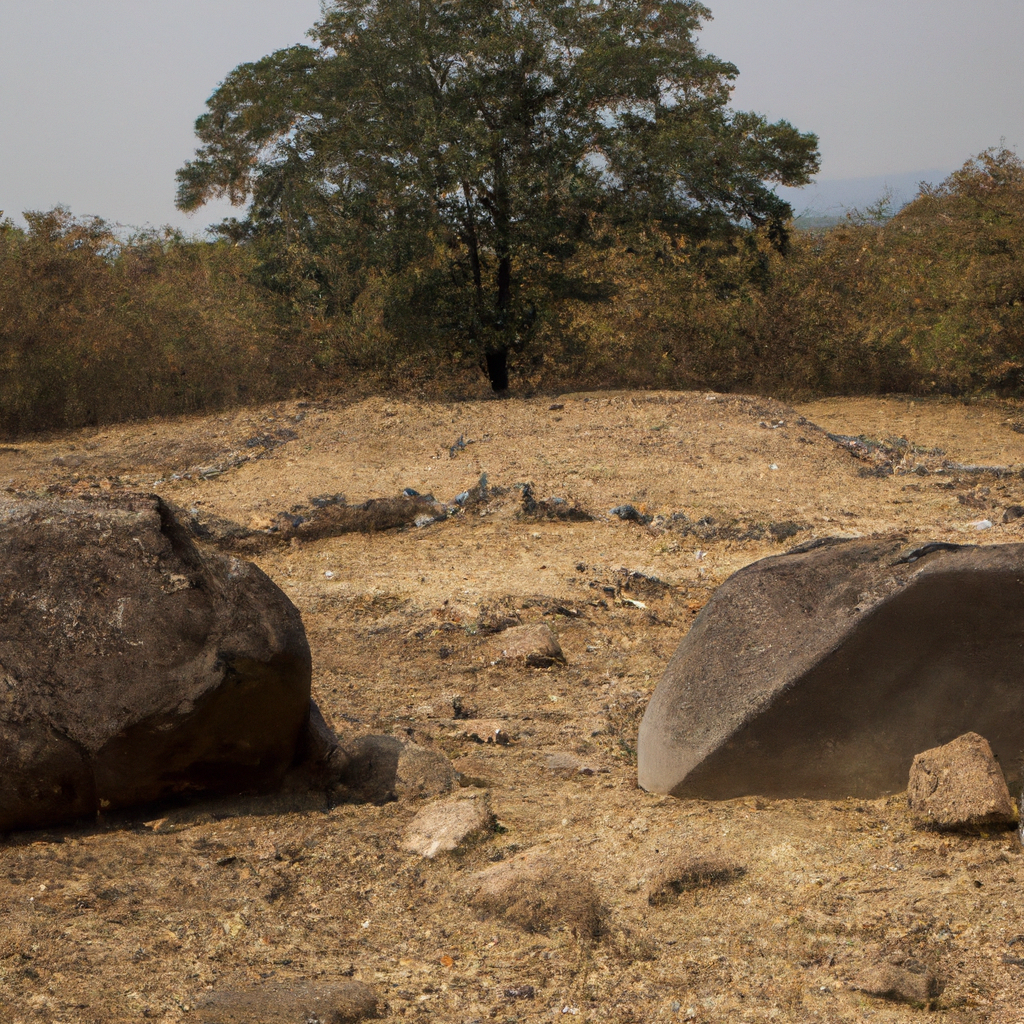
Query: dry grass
point(118, 920)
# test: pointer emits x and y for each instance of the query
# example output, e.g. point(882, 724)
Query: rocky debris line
point(330, 515)
point(537, 891)
point(289, 1003)
point(449, 825)
point(898, 983)
point(707, 528)
point(535, 646)
point(822, 672)
point(213, 461)
point(897, 456)
point(689, 870)
point(481, 730)
point(325, 516)
point(960, 786)
point(134, 667)
point(551, 508)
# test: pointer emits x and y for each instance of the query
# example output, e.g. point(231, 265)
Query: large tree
point(500, 129)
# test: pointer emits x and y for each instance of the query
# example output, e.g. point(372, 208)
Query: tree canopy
point(495, 136)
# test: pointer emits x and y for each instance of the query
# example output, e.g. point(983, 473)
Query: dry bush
point(96, 329)
point(687, 871)
point(537, 892)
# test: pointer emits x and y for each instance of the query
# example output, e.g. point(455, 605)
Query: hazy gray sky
point(98, 97)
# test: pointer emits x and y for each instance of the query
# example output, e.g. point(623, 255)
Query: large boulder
point(133, 667)
point(822, 672)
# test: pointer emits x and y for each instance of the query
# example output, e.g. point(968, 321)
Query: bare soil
point(136, 917)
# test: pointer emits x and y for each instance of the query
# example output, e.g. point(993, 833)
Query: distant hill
point(826, 202)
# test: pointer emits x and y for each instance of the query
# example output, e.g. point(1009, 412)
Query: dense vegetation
point(95, 329)
point(471, 149)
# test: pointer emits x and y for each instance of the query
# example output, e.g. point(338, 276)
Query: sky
point(98, 97)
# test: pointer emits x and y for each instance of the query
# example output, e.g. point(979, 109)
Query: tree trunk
point(497, 369)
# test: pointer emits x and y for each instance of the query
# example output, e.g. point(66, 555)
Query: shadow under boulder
point(134, 668)
point(821, 673)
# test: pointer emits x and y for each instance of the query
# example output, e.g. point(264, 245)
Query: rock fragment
point(383, 768)
point(536, 646)
point(690, 870)
point(960, 785)
point(449, 824)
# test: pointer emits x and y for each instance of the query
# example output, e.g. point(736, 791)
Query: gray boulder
point(133, 667)
point(822, 672)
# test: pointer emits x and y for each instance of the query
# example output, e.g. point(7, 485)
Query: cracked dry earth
point(137, 917)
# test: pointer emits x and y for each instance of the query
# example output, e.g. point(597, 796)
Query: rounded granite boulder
point(822, 672)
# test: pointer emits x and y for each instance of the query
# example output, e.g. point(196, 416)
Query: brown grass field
point(136, 917)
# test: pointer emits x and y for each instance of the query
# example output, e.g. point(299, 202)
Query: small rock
point(887, 981)
point(521, 991)
point(564, 764)
point(1012, 513)
point(981, 524)
point(536, 645)
point(448, 824)
point(485, 730)
point(286, 1003)
point(384, 768)
point(960, 785)
point(629, 514)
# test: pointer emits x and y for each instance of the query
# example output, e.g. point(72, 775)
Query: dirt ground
point(136, 918)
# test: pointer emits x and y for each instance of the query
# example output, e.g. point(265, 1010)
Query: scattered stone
point(324, 516)
point(384, 768)
point(630, 514)
point(887, 981)
point(521, 991)
point(289, 1003)
point(637, 582)
point(133, 667)
point(484, 730)
point(822, 672)
point(960, 785)
point(535, 645)
point(537, 891)
point(449, 824)
point(552, 508)
point(687, 871)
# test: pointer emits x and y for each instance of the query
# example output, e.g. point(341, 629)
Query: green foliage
point(96, 328)
point(469, 148)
